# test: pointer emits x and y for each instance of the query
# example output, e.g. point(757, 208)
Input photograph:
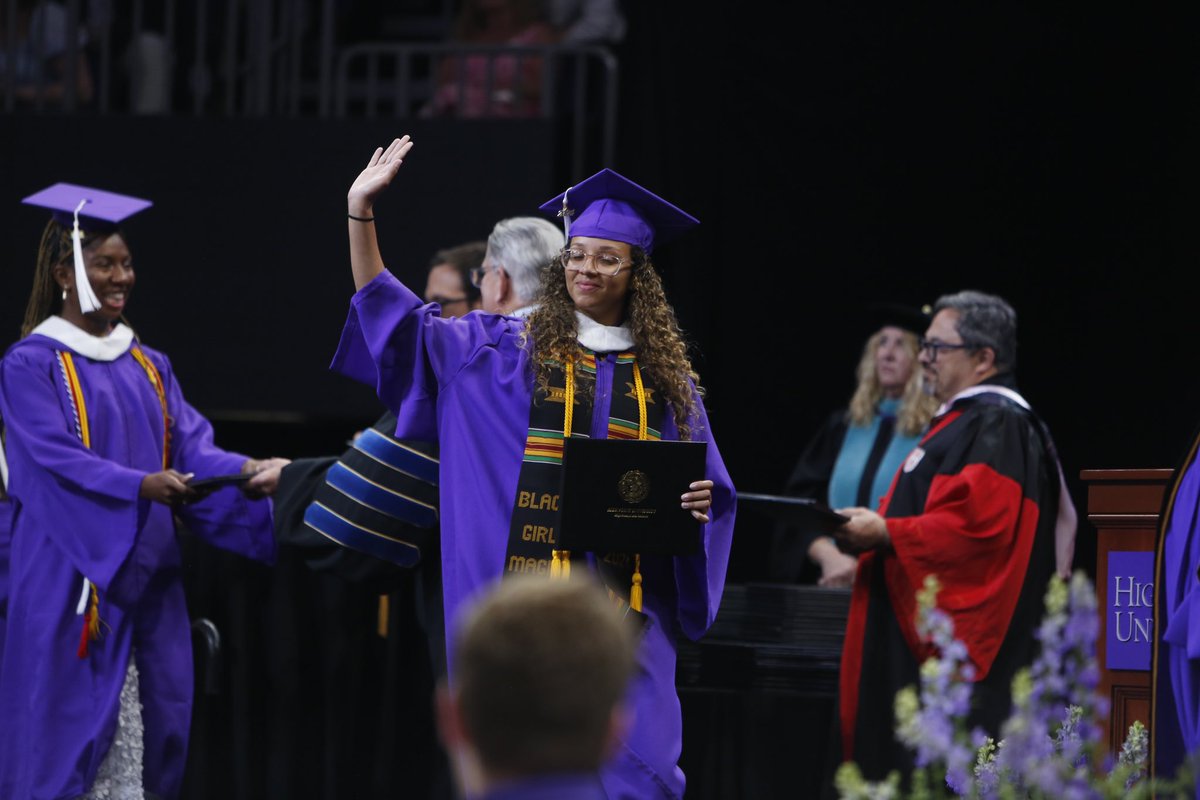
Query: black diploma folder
point(210, 484)
point(797, 512)
point(207, 486)
point(622, 495)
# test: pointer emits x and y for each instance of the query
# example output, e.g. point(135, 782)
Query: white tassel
point(84, 596)
point(88, 302)
point(566, 215)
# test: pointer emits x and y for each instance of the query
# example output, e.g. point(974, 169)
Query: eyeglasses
point(478, 274)
point(446, 301)
point(605, 263)
point(935, 348)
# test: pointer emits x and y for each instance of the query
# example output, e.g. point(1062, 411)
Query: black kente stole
point(532, 542)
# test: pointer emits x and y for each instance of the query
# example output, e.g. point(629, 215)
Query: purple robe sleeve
point(701, 577)
point(97, 490)
point(227, 518)
point(407, 351)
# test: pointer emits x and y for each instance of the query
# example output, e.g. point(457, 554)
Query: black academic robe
point(310, 701)
point(975, 504)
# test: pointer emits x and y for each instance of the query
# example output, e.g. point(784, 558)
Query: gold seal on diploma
point(634, 486)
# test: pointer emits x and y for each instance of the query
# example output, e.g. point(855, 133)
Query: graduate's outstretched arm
point(365, 259)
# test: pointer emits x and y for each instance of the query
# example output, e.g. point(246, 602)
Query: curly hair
point(916, 406)
point(662, 353)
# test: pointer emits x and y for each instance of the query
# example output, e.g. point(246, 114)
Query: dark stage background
point(836, 155)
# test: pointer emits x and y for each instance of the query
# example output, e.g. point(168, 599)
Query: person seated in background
point(853, 456)
point(35, 56)
point(483, 84)
point(585, 22)
point(449, 280)
point(537, 701)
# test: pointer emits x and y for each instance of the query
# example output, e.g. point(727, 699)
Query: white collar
point(603, 338)
point(108, 348)
point(984, 388)
point(523, 311)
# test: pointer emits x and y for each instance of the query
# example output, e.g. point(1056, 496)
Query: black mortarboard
point(910, 318)
point(610, 206)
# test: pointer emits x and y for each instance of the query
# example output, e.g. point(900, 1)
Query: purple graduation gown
point(77, 514)
point(1177, 587)
point(467, 382)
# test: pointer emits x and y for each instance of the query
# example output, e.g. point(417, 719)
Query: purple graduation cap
point(610, 206)
point(82, 207)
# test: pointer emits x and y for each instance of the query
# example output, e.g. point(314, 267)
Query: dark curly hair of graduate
point(662, 354)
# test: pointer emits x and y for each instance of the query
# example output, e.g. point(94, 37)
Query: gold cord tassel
point(94, 615)
point(560, 560)
point(381, 623)
point(635, 591)
point(91, 622)
point(640, 392)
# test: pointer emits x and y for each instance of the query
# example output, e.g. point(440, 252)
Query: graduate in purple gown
point(601, 356)
point(96, 679)
point(1175, 667)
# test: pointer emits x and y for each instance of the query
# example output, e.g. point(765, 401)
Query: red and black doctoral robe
point(975, 504)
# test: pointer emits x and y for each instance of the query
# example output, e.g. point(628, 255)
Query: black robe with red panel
point(974, 505)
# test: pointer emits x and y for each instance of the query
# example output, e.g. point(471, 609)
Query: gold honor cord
point(90, 597)
point(635, 591)
point(156, 382)
point(560, 560)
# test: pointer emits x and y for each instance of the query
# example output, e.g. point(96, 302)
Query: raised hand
point(378, 174)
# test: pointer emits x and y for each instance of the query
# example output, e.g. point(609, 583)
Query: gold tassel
point(93, 617)
point(560, 560)
point(635, 591)
point(382, 623)
point(568, 398)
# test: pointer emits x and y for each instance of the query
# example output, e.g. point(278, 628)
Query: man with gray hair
point(518, 249)
point(981, 505)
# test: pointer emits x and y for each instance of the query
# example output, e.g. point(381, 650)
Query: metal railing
point(201, 57)
point(576, 83)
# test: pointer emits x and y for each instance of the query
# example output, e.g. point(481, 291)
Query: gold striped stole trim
point(157, 382)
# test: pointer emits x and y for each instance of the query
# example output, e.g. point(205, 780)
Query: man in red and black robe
point(981, 504)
